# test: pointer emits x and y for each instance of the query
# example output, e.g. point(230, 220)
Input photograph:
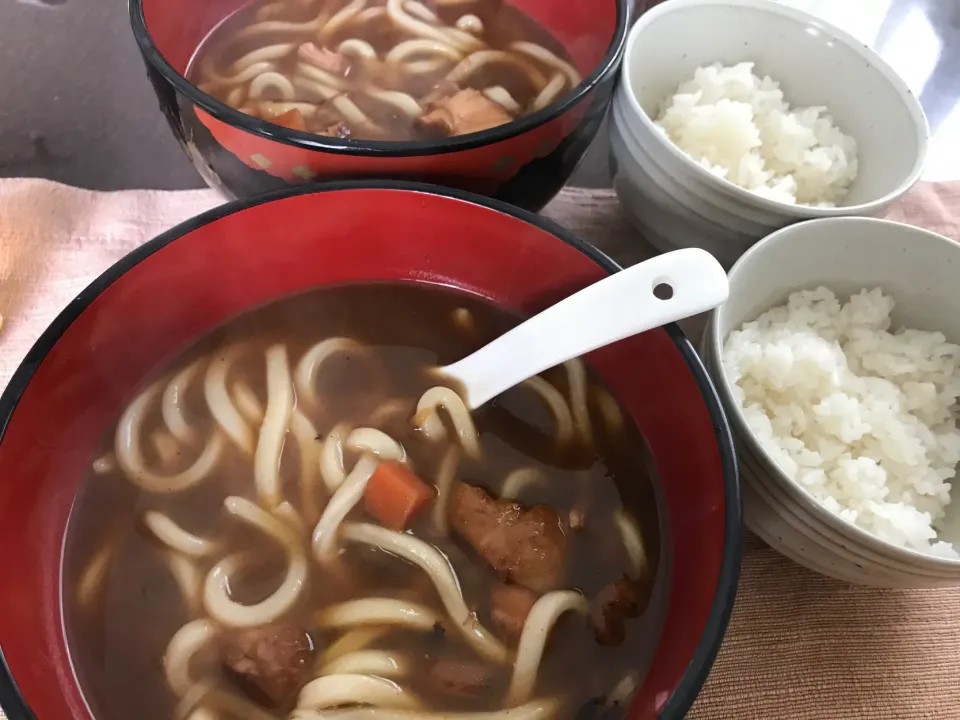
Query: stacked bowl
point(673, 200)
point(918, 269)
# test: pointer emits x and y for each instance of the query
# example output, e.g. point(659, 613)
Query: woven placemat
point(799, 646)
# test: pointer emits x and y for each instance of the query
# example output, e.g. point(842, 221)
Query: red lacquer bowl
point(82, 370)
point(525, 162)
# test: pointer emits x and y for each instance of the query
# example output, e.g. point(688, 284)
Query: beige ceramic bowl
point(920, 270)
point(674, 201)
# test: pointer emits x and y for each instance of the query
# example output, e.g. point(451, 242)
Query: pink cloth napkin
point(55, 239)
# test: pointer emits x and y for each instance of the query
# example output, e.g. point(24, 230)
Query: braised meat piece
point(459, 678)
point(509, 607)
point(441, 91)
point(271, 661)
point(467, 111)
point(610, 609)
point(337, 130)
point(324, 59)
point(525, 546)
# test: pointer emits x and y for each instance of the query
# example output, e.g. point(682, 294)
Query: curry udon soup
point(298, 518)
point(383, 69)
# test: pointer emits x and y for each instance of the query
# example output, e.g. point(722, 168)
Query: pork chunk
point(509, 607)
point(332, 62)
point(336, 130)
point(612, 607)
point(525, 546)
point(467, 111)
point(271, 661)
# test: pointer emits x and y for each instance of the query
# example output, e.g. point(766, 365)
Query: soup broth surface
point(130, 585)
point(383, 69)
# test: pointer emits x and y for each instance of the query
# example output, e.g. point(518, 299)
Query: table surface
point(77, 107)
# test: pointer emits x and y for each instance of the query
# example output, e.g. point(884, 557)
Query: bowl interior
point(917, 267)
point(586, 28)
point(815, 64)
point(196, 276)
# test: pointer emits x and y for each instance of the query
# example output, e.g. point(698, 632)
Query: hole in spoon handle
point(662, 288)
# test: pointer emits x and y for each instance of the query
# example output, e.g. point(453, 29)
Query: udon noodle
point(383, 69)
point(358, 611)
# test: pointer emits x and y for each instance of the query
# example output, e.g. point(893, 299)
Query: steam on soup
point(383, 69)
point(299, 518)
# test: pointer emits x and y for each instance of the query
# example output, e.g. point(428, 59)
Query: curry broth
point(117, 644)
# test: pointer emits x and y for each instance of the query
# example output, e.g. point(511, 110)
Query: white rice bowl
point(738, 126)
point(862, 418)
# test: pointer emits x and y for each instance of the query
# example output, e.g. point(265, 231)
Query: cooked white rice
point(861, 417)
point(738, 126)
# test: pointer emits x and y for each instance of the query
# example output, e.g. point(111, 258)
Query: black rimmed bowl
point(181, 285)
point(524, 162)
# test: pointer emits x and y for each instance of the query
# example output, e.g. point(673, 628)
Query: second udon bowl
point(180, 286)
point(524, 162)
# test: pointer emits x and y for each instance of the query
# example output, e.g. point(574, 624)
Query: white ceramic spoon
point(624, 304)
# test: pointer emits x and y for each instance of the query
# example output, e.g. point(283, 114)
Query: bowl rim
point(906, 95)
point(608, 65)
point(12, 701)
point(779, 480)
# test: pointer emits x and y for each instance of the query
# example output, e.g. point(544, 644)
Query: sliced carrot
point(292, 119)
point(394, 495)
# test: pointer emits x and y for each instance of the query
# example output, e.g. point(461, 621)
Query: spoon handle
point(690, 281)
